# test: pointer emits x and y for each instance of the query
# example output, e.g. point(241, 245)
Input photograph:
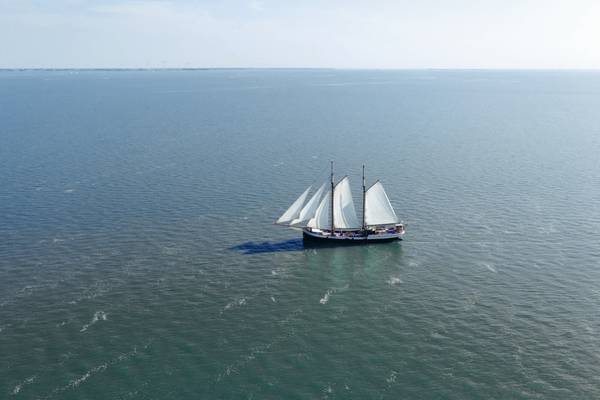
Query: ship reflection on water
point(269, 247)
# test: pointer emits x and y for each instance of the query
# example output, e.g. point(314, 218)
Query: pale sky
point(268, 33)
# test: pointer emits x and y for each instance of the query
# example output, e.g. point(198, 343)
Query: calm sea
point(138, 259)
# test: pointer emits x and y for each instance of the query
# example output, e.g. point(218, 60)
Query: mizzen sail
point(378, 209)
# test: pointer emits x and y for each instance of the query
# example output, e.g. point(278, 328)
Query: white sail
point(322, 218)
point(308, 211)
point(378, 209)
point(344, 214)
point(294, 210)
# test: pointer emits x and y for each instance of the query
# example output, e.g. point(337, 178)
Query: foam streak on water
point(98, 316)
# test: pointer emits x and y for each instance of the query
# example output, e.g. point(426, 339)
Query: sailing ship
point(330, 215)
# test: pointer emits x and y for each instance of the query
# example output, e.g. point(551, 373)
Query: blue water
point(138, 259)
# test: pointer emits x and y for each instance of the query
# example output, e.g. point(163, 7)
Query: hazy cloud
point(355, 34)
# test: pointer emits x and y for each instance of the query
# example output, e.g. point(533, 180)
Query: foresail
point(294, 210)
point(344, 214)
point(378, 209)
point(322, 218)
point(309, 210)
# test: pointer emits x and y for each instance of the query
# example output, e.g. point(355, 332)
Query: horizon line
point(288, 68)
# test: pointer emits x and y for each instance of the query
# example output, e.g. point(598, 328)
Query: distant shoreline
point(164, 69)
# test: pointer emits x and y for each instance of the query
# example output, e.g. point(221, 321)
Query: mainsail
point(344, 214)
point(294, 211)
point(322, 218)
point(378, 209)
point(308, 211)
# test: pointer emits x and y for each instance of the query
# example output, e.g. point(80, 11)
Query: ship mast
point(332, 186)
point(364, 195)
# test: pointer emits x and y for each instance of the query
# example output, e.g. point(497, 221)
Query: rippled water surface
point(138, 259)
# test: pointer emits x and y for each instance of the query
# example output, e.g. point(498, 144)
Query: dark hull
point(325, 240)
